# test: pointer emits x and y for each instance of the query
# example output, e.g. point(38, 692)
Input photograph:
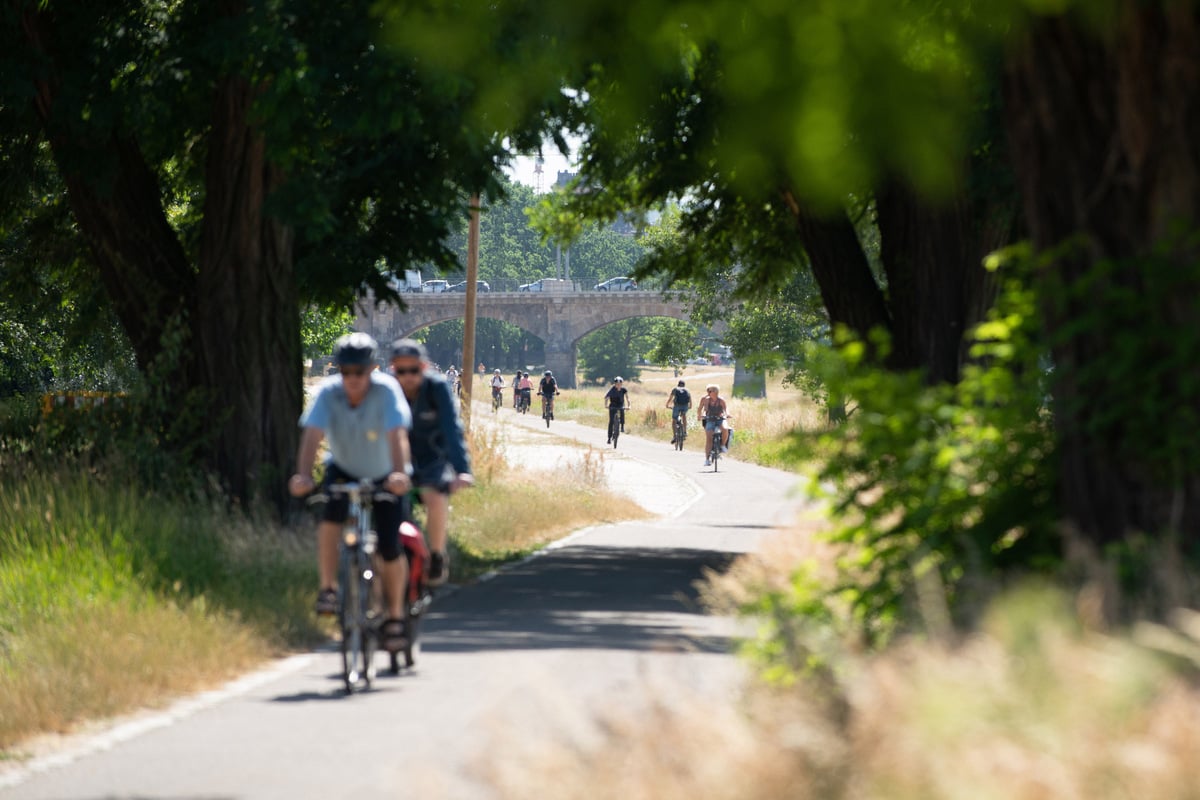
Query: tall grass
point(1033, 705)
point(111, 596)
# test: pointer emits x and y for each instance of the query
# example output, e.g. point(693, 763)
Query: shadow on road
point(584, 597)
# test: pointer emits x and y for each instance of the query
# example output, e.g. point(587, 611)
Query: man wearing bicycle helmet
point(680, 402)
point(548, 388)
point(616, 400)
point(441, 465)
point(364, 418)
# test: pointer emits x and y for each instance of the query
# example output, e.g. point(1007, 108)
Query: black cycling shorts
point(385, 516)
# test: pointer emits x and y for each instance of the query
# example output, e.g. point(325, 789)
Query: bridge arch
point(559, 319)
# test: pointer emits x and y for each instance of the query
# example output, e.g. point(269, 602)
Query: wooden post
point(468, 365)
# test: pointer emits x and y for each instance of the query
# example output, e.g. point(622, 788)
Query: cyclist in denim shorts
point(712, 411)
point(364, 418)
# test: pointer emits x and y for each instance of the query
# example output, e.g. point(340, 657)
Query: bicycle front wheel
point(614, 429)
point(348, 615)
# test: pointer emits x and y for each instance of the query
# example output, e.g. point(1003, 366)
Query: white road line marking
point(177, 712)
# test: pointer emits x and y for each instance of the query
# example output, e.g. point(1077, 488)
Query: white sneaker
point(707, 463)
point(724, 449)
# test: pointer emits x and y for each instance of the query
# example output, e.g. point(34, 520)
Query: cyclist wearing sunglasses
point(440, 461)
point(364, 418)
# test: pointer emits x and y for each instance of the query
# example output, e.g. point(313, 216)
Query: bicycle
point(547, 408)
point(679, 429)
point(417, 594)
point(523, 402)
point(616, 423)
point(358, 596)
point(497, 399)
point(718, 446)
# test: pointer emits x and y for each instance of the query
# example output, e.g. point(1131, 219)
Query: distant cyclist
point(525, 390)
point(712, 411)
point(452, 379)
point(441, 465)
point(617, 400)
point(497, 386)
point(363, 416)
point(680, 402)
point(516, 389)
point(548, 388)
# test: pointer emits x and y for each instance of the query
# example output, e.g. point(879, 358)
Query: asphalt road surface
point(605, 620)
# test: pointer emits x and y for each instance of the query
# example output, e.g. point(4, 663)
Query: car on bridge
point(434, 287)
point(617, 285)
point(480, 286)
point(536, 286)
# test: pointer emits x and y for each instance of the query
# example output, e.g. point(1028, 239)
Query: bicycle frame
point(357, 585)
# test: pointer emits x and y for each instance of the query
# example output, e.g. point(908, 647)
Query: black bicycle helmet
point(354, 350)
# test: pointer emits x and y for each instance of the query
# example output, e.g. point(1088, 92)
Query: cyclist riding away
point(525, 390)
point(364, 417)
point(617, 400)
point(680, 402)
point(712, 412)
point(441, 465)
point(547, 389)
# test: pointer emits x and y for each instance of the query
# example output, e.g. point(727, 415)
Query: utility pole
point(468, 365)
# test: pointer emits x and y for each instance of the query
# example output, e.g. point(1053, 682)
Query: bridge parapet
point(559, 319)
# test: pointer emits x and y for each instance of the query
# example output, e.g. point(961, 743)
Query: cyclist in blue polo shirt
point(364, 418)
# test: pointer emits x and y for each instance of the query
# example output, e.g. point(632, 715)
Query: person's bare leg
point(395, 578)
point(437, 517)
point(327, 553)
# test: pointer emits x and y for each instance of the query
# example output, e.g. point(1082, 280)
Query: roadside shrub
point(936, 494)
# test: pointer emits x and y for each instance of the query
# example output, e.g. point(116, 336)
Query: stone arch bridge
point(559, 319)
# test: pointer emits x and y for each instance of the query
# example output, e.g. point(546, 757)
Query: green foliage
point(321, 326)
point(675, 341)
point(942, 486)
point(1141, 401)
point(615, 350)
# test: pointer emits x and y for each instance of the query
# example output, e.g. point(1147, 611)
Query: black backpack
point(683, 397)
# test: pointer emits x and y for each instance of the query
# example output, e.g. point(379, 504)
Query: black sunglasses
point(406, 371)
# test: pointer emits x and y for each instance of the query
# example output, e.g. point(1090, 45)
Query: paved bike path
point(606, 622)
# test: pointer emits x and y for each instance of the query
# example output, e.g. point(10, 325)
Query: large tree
point(1103, 110)
point(224, 162)
point(771, 119)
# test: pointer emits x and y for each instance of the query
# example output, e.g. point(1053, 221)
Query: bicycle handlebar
point(350, 489)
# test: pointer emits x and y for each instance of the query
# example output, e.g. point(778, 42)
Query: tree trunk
point(247, 325)
point(238, 306)
point(1105, 138)
point(933, 255)
point(115, 199)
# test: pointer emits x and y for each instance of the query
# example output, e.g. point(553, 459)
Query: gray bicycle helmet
point(548, 373)
point(354, 350)
point(409, 348)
